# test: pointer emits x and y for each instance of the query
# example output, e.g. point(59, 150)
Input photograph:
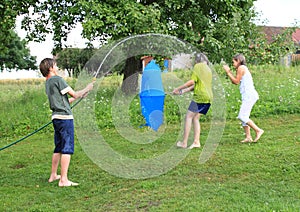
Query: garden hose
point(34, 132)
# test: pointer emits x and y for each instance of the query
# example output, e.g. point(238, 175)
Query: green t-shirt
point(57, 91)
point(202, 77)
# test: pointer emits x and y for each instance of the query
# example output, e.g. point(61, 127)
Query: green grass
point(238, 177)
point(256, 177)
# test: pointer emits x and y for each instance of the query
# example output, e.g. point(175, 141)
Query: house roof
point(296, 36)
point(271, 31)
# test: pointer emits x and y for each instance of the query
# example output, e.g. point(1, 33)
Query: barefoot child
point(249, 95)
point(201, 83)
point(57, 91)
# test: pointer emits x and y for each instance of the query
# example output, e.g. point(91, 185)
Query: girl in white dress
point(248, 93)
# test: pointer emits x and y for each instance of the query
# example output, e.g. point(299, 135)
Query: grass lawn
point(239, 177)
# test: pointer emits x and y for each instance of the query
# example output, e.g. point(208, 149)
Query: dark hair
point(45, 66)
point(200, 58)
point(240, 58)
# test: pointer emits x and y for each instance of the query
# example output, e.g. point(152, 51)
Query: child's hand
point(176, 91)
point(90, 86)
point(226, 68)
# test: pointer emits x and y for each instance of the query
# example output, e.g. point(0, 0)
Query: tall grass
point(278, 88)
point(25, 105)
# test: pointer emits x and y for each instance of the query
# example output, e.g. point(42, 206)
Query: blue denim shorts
point(199, 107)
point(63, 136)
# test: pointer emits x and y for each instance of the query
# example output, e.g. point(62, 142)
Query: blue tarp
point(152, 96)
point(166, 65)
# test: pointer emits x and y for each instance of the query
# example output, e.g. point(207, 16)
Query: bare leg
point(187, 128)
point(65, 161)
point(55, 162)
point(197, 129)
point(247, 131)
point(247, 134)
point(258, 131)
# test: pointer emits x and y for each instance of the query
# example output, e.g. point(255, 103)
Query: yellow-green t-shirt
point(202, 77)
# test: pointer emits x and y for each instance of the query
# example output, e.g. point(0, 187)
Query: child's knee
point(244, 124)
point(244, 120)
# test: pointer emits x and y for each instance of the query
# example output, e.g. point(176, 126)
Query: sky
point(278, 12)
point(272, 13)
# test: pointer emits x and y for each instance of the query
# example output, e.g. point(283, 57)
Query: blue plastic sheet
point(152, 96)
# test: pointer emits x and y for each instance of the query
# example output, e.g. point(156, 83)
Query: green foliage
point(263, 52)
point(50, 16)
point(219, 28)
point(188, 20)
point(118, 19)
point(271, 82)
point(74, 59)
point(27, 105)
point(22, 98)
point(9, 42)
point(18, 55)
point(277, 86)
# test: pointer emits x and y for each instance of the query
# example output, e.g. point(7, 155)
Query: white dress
point(247, 88)
point(249, 96)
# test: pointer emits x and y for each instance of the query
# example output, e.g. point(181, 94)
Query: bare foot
point(181, 145)
point(247, 140)
point(195, 145)
point(258, 135)
point(51, 179)
point(69, 183)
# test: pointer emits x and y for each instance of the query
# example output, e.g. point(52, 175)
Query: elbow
point(190, 83)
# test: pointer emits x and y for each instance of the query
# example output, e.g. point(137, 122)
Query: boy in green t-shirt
point(201, 83)
point(57, 91)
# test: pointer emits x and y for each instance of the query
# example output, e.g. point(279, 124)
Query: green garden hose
point(34, 132)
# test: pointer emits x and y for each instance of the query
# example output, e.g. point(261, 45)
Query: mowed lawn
point(238, 177)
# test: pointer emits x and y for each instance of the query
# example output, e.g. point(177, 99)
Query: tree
point(9, 10)
point(220, 28)
point(17, 56)
point(271, 51)
point(74, 59)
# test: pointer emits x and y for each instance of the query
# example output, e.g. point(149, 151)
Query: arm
point(239, 73)
point(81, 93)
point(191, 88)
point(188, 86)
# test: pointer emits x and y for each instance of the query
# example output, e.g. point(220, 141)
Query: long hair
point(240, 58)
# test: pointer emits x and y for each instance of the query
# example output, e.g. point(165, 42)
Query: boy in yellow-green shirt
point(201, 83)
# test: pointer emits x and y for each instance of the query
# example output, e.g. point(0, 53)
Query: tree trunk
point(130, 79)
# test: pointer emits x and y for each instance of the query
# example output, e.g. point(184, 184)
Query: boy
point(201, 83)
point(57, 91)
